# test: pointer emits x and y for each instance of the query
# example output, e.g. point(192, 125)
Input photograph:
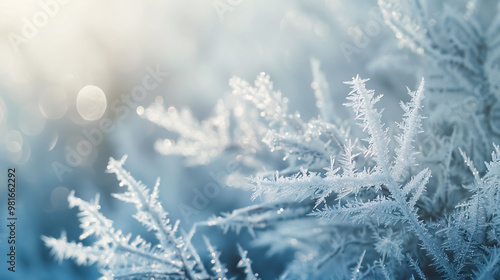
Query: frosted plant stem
point(429, 245)
point(124, 176)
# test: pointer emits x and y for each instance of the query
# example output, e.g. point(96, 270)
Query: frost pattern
point(461, 60)
point(122, 257)
point(367, 214)
point(252, 121)
point(348, 203)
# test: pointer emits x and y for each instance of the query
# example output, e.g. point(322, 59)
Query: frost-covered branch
point(246, 263)
point(259, 216)
point(198, 141)
point(117, 254)
point(120, 257)
point(351, 188)
point(252, 118)
point(219, 268)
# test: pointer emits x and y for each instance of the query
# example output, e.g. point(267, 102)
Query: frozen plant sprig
point(258, 216)
point(396, 203)
point(151, 214)
point(461, 54)
point(382, 188)
point(198, 141)
point(119, 256)
point(246, 263)
point(254, 118)
point(218, 267)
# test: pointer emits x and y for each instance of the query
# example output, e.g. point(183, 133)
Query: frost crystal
point(375, 203)
point(122, 257)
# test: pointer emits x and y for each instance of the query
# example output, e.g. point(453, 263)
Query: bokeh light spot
point(140, 110)
point(91, 103)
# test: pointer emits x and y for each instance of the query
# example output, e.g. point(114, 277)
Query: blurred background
point(68, 70)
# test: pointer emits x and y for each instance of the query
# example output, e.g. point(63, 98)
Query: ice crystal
point(376, 203)
point(122, 257)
